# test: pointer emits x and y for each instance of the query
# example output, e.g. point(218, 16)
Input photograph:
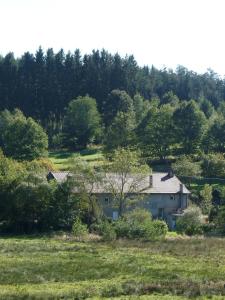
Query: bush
point(79, 229)
point(155, 230)
point(104, 229)
point(191, 221)
point(138, 224)
point(122, 228)
point(139, 215)
point(107, 231)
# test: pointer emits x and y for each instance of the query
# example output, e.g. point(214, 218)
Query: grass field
point(60, 159)
point(59, 268)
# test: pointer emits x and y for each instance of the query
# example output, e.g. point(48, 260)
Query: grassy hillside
point(61, 159)
point(59, 268)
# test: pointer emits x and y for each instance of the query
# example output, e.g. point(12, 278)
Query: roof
point(58, 176)
point(162, 183)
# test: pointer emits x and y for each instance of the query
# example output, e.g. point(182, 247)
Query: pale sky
point(159, 32)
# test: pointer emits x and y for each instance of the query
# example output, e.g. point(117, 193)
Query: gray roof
point(162, 183)
point(58, 176)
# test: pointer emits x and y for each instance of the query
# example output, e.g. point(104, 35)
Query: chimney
point(170, 173)
point(181, 188)
point(150, 181)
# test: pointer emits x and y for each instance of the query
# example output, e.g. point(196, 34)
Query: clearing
point(61, 159)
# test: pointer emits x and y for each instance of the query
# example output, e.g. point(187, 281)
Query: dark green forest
point(42, 84)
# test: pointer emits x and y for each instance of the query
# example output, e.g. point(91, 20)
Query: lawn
point(60, 159)
point(60, 268)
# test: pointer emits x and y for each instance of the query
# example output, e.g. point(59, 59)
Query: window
point(106, 200)
point(172, 197)
point(115, 215)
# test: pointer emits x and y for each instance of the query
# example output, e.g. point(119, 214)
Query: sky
point(163, 33)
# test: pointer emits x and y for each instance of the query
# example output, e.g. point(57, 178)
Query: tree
point(117, 101)
point(206, 198)
point(170, 98)
point(84, 180)
point(207, 107)
point(22, 138)
point(24, 196)
point(121, 132)
point(141, 107)
point(82, 123)
point(220, 219)
point(191, 221)
point(214, 139)
point(190, 123)
point(156, 132)
point(184, 166)
point(124, 177)
point(213, 165)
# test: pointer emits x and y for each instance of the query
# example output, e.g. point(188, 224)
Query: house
point(163, 194)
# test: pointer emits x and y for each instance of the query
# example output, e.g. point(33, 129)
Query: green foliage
point(83, 179)
point(155, 230)
point(213, 165)
point(191, 221)
point(184, 166)
point(156, 132)
point(22, 138)
point(220, 219)
point(107, 231)
point(82, 122)
point(138, 224)
point(206, 198)
point(214, 139)
point(79, 229)
point(207, 107)
point(141, 107)
point(28, 203)
point(170, 98)
point(117, 101)
point(190, 124)
point(121, 132)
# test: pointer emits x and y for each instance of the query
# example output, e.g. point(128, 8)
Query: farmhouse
point(161, 193)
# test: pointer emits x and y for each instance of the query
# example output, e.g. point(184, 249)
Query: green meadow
point(61, 159)
point(62, 268)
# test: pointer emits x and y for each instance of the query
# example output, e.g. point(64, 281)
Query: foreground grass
point(44, 268)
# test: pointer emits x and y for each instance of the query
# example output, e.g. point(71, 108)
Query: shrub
point(191, 221)
point(104, 229)
point(122, 228)
point(139, 215)
point(155, 230)
point(79, 229)
point(107, 231)
point(138, 224)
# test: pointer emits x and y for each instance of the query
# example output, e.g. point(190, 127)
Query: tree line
point(43, 84)
point(160, 130)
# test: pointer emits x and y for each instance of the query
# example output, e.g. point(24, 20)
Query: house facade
point(163, 194)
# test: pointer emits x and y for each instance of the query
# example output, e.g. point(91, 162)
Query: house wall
point(160, 205)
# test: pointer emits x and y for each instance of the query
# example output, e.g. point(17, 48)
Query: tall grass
point(50, 268)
